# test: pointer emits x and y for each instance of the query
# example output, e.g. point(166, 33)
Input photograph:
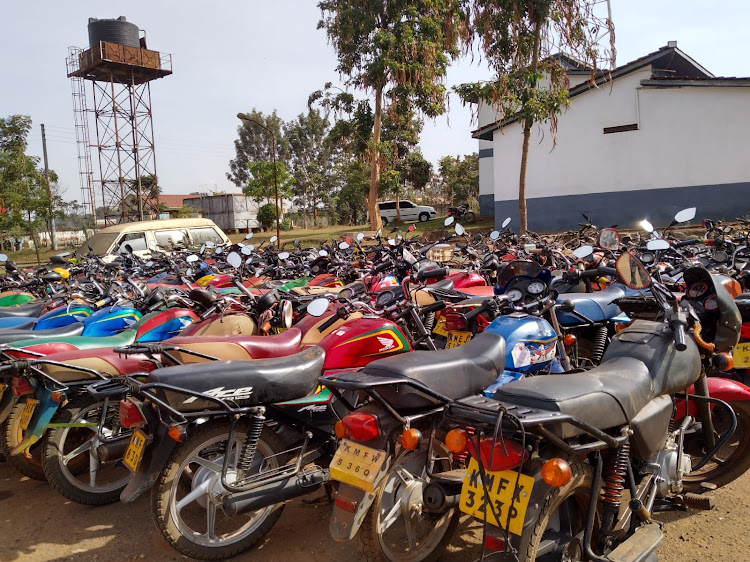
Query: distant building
point(665, 134)
point(231, 212)
point(173, 204)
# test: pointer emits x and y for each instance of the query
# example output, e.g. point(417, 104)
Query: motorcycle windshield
point(518, 269)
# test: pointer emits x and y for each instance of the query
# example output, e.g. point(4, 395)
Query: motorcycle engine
point(669, 468)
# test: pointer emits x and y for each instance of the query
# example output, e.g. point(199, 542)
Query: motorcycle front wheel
point(186, 500)
point(396, 528)
point(469, 216)
point(732, 460)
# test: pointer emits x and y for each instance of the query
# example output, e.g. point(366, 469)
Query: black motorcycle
point(461, 213)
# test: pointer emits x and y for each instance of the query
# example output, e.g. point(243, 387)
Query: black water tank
point(118, 31)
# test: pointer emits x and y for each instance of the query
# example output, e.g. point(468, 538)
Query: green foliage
point(260, 185)
point(351, 203)
point(267, 216)
point(285, 224)
point(399, 50)
point(459, 179)
point(255, 142)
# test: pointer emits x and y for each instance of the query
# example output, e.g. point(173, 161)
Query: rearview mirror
point(273, 239)
point(343, 246)
point(234, 259)
point(632, 272)
point(3, 257)
point(360, 237)
point(506, 222)
point(459, 230)
point(647, 226)
point(247, 250)
point(609, 239)
point(192, 258)
point(583, 252)
point(685, 215)
point(284, 255)
point(412, 228)
point(449, 221)
point(317, 307)
point(248, 236)
point(657, 245)
point(323, 253)
point(494, 235)
point(210, 244)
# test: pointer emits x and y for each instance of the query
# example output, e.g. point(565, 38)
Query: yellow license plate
point(357, 465)
point(28, 411)
point(501, 487)
point(439, 328)
point(134, 453)
point(2, 389)
point(741, 355)
point(456, 339)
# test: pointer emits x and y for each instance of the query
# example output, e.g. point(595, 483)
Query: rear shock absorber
point(600, 344)
point(252, 436)
point(704, 411)
point(613, 481)
point(429, 321)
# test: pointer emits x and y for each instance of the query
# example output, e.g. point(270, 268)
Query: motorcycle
point(462, 212)
point(548, 457)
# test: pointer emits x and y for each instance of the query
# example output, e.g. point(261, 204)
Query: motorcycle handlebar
point(469, 316)
point(328, 323)
point(687, 243)
point(434, 307)
point(379, 268)
point(432, 273)
point(679, 336)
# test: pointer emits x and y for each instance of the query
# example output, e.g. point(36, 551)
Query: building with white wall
point(665, 134)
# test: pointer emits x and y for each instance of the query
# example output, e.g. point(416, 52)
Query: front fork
point(704, 411)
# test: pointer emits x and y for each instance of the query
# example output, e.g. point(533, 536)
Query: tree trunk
point(523, 222)
point(375, 222)
point(315, 215)
point(34, 240)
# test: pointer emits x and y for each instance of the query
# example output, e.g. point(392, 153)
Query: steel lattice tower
point(121, 87)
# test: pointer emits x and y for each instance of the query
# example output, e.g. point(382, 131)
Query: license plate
point(28, 411)
point(2, 389)
point(741, 355)
point(357, 465)
point(134, 452)
point(456, 339)
point(439, 328)
point(501, 487)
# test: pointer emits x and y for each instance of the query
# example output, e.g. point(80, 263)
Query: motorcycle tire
point(736, 453)
point(575, 496)
point(182, 475)
point(28, 463)
point(469, 216)
point(404, 482)
point(82, 477)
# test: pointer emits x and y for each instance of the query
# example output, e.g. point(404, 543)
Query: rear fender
point(43, 414)
point(154, 459)
point(723, 389)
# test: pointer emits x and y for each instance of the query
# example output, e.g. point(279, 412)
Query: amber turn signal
point(57, 396)
point(556, 472)
point(175, 433)
point(569, 340)
point(340, 429)
point(411, 439)
point(620, 326)
point(455, 441)
point(723, 361)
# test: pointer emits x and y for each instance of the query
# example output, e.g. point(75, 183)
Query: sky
point(235, 55)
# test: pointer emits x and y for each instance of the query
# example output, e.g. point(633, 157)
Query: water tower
point(120, 69)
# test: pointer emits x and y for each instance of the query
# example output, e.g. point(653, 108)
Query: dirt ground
point(37, 524)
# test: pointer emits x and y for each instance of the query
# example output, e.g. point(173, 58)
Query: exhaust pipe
point(113, 450)
point(438, 498)
point(275, 492)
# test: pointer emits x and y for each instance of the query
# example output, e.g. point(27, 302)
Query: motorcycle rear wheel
point(733, 458)
point(469, 216)
point(395, 516)
point(194, 470)
point(28, 463)
point(564, 513)
point(71, 461)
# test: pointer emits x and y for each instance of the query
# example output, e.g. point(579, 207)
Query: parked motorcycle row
point(561, 390)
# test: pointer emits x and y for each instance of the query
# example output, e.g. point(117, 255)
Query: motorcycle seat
point(238, 347)
point(30, 309)
point(640, 364)
point(265, 381)
point(597, 306)
point(14, 335)
point(443, 284)
point(454, 373)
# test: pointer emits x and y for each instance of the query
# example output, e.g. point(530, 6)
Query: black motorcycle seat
point(442, 285)
point(454, 373)
point(260, 381)
point(640, 364)
point(11, 335)
point(31, 309)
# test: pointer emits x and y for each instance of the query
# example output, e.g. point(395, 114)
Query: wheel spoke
point(82, 448)
point(207, 463)
point(210, 521)
point(193, 495)
point(93, 469)
point(403, 474)
point(390, 518)
point(409, 532)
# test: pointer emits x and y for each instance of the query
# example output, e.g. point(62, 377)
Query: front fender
point(152, 463)
point(45, 410)
point(723, 389)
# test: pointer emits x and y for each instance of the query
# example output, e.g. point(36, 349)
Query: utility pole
point(52, 234)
